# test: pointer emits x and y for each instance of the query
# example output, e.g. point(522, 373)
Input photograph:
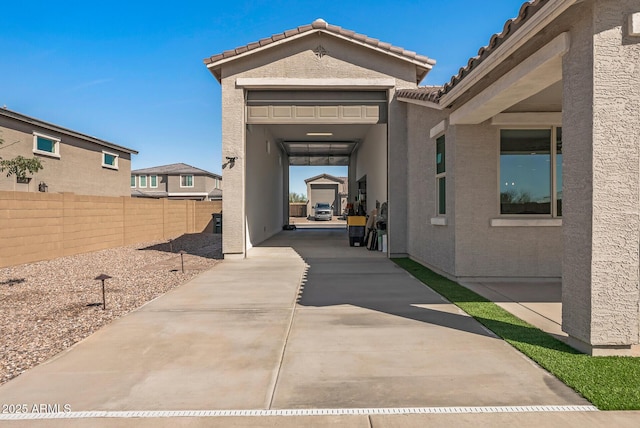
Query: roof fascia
point(517, 85)
point(327, 176)
point(422, 103)
point(423, 68)
point(528, 30)
point(51, 127)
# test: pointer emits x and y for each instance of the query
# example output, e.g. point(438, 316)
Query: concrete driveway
point(305, 322)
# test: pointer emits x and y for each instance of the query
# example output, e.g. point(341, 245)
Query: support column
point(233, 171)
point(601, 192)
point(284, 160)
point(397, 178)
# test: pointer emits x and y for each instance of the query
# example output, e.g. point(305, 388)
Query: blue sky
point(131, 72)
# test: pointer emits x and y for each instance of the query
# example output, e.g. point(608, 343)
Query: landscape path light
point(102, 278)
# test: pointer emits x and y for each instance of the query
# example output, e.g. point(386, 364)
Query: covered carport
point(315, 95)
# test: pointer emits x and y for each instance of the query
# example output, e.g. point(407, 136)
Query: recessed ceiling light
point(319, 134)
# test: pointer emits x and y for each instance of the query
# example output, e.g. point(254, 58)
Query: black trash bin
point(217, 222)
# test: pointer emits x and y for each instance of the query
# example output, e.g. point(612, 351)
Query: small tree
point(19, 166)
point(297, 197)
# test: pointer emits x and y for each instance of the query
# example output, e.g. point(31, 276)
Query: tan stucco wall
point(295, 59)
point(79, 168)
point(483, 250)
point(264, 191)
point(372, 162)
point(199, 184)
point(429, 244)
point(601, 117)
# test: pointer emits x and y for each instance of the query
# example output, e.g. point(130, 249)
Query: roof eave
point(422, 67)
point(429, 104)
point(529, 29)
point(56, 128)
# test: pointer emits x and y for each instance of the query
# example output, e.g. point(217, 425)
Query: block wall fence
point(43, 226)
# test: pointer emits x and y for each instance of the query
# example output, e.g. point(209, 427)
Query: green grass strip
point(610, 383)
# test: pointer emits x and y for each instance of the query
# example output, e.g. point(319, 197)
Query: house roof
point(148, 194)
point(175, 169)
point(433, 94)
point(327, 176)
point(59, 129)
point(423, 63)
point(216, 193)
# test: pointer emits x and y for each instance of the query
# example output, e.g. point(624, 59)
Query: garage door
point(325, 193)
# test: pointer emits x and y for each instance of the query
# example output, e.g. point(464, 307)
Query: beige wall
point(43, 226)
point(372, 161)
point(201, 184)
point(429, 244)
point(468, 246)
point(295, 59)
point(264, 191)
point(601, 117)
point(482, 250)
point(79, 168)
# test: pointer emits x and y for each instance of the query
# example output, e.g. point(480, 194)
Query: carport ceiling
point(319, 144)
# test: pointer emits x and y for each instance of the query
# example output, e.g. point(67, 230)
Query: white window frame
point(151, 186)
point(193, 179)
point(544, 220)
point(56, 145)
point(146, 181)
point(106, 165)
point(135, 180)
point(439, 176)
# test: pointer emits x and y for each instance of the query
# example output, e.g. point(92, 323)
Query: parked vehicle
point(322, 211)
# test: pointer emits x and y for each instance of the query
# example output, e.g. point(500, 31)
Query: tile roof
point(320, 25)
point(135, 193)
point(422, 93)
point(433, 94)
point(327, 176)
point(174, 169)
point(55, 128)
point(216, 193)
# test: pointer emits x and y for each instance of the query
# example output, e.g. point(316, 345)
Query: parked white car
point(322, 211)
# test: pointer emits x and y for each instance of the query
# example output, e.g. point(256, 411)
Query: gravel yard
point(48, 306)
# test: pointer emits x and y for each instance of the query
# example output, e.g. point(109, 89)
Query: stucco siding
point(264, 187)
point(483, 250)
point(78, 169)
point(427, 243)
point(296, 59)
point(233, 145)
point(199, 184)
point(372, 163)
point(601, 114)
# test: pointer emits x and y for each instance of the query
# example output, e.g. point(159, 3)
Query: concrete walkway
point(305, 322)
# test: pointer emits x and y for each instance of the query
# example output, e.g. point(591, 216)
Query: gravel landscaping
point(48, 306)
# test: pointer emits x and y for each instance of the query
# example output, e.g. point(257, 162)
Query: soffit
point(333, 148)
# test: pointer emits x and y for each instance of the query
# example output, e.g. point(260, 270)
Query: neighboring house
point(329, 189)
point(72, 161)
point(176, 181)
point(525, 166)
